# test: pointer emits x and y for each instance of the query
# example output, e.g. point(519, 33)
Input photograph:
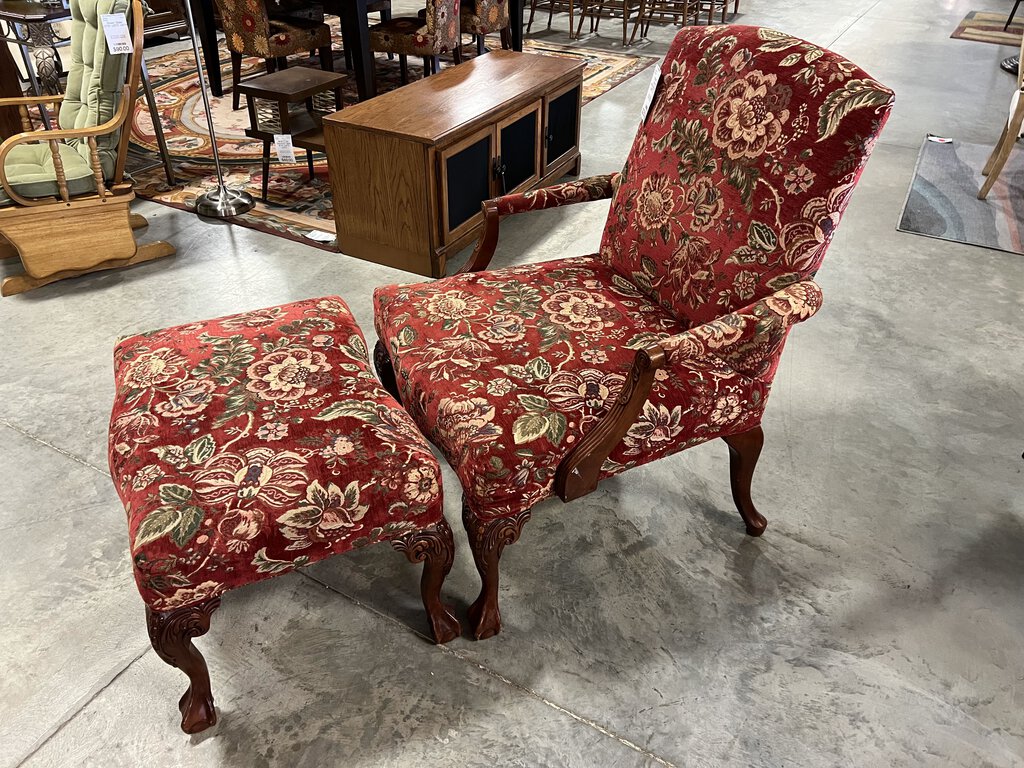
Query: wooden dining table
point(354, 28)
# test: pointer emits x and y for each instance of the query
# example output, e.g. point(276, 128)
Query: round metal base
point(223, 202)
point(1010, 64)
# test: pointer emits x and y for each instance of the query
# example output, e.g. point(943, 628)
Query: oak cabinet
point(409, 169)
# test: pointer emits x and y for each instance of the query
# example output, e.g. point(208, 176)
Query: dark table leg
point(356, 31)
point(515, 9)
point(10, 86)
point(202, 10)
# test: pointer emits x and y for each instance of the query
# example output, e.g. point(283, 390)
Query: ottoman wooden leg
point(171, 634)
point(487, 539)
point(435, 548)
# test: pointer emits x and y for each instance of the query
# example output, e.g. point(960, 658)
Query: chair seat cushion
point(294, 34)
point(404, 35)
point(248, 445)
point(506, 370)
point(29, 169)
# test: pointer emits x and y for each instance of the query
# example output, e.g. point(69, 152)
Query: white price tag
point(283, 147)
point(318, 235)
point(651, 90)
point(115, 30)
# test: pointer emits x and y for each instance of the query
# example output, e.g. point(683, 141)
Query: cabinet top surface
point(435, 106)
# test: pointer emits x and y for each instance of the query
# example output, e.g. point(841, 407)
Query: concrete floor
point(877, 623)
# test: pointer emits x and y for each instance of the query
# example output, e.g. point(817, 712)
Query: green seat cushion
point(29, 169)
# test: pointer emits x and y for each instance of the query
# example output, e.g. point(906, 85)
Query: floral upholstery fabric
point(728, 200)
point(249, 445)
point(738, 178)
point(437, 33)
point(249, 30)
point(481, 17)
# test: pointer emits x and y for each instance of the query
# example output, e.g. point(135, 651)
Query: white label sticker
point(651, 90)
point(283, 147)
point(115, 30)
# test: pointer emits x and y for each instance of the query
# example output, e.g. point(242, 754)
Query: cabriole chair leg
point(744, 448)
point(171, 634)
point(435, 548)
point(487, 539)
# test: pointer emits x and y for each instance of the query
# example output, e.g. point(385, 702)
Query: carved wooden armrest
point(53, 138)
point(580, 191)
point(579, 471)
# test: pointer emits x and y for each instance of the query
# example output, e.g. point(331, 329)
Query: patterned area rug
point(987, 27)
point(943, 201)
point(298, 206)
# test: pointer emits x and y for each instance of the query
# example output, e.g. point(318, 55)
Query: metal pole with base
point(220, 202)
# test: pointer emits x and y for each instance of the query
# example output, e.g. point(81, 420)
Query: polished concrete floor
point(879, 622)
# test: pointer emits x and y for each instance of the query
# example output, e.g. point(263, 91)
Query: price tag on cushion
point(651, 90)
point(115, 30)
point(283, 147)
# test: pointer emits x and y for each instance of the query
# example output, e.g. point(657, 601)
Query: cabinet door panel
point(519, 150)
point(563, 127)
point(467, 171)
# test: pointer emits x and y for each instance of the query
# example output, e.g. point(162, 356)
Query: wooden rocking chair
point(64, 204)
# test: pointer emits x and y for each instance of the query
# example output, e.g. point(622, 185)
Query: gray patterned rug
point(943, 202)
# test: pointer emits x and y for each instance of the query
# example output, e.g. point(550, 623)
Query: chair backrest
point(443, 24)
point(739, 174)
point(96, 79)
point(246, 26)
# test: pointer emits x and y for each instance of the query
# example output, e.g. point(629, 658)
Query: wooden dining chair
point(1013, 130)
point(435, 33)
point(561, 6)
point(249, 30)
point(625, 10)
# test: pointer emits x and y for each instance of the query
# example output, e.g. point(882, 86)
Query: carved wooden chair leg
point(487, 539)
point(385, 370)
point(171, 634)
point(744, 448)
point(435, 548)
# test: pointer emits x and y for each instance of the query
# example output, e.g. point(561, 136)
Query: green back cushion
point(95, 77)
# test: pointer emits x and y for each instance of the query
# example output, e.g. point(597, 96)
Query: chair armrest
point(28, 101)
point(748, 341)
point(579, 191)
point(577, 474)
point(744, 343)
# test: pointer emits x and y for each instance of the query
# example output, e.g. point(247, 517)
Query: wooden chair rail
point(578, 473)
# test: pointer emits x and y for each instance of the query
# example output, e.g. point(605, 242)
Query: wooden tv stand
point(410, 168)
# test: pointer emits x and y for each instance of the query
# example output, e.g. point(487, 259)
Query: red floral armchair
point(544, 378)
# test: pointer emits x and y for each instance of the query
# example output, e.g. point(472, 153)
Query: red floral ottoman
point(247, 446)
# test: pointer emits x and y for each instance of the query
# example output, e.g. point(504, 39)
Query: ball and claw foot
point(444, 626)
point(197, 713)
point(485, 618)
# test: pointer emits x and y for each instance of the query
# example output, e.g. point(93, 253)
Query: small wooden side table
point(269, 99)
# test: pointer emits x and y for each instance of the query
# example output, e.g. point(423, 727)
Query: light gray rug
point(943, 202)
